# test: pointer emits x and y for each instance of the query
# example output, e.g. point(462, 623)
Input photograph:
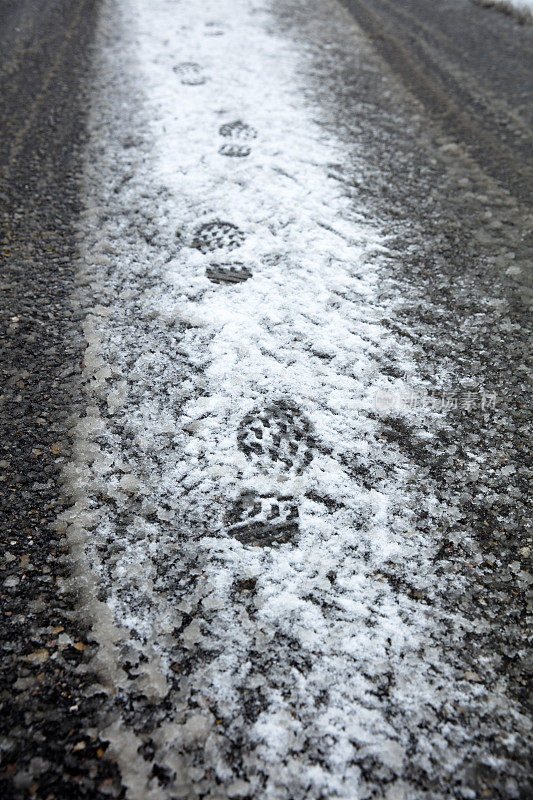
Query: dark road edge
point(51, 704)
point(445, 99)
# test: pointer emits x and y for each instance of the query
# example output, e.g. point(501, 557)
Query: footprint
point(214, 29)
point(238, 130)
point(278, 437)
point(238, 134)
point(217, 235)
point(228, 273)
point(263, 520)
point(235, 150)
point(190, 73)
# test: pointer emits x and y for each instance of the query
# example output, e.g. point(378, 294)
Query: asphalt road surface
point(265, 476)
point(471, 67)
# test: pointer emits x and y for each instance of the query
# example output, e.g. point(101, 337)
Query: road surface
point(266, 278)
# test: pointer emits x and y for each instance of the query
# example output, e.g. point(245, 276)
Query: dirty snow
point(245, 543)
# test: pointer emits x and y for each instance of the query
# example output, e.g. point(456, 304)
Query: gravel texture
point(457, 275)
point(48, 740)
point(471, 68)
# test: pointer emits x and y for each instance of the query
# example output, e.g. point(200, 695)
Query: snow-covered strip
point(245, 541)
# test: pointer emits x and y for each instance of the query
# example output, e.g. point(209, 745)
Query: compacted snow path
point(244, 541)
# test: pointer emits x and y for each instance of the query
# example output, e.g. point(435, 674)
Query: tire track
point(466, 113)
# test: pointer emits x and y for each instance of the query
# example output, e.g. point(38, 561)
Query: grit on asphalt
point(49, 740)
point(295, 470)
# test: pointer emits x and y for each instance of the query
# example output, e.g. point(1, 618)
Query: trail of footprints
point(278, 438)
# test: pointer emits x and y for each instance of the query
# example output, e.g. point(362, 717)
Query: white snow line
point(234, 345)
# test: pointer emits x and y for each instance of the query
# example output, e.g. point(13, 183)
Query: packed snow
point(244, 539)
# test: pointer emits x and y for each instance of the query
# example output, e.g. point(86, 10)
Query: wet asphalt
point(461, 225)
